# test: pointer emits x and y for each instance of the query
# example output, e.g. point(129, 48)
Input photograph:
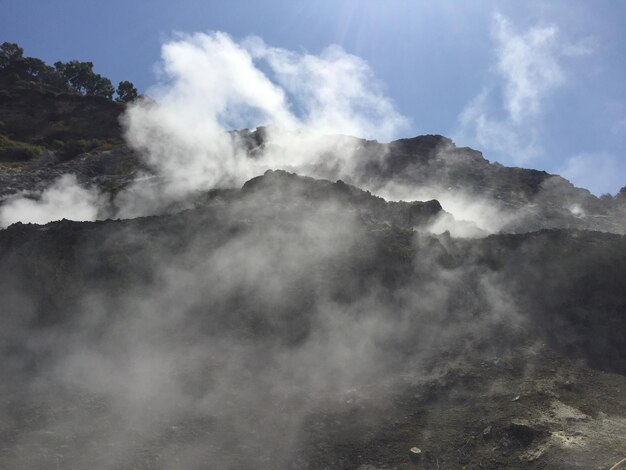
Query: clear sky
point(534, 84)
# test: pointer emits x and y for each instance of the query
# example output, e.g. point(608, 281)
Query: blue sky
point(533, 84)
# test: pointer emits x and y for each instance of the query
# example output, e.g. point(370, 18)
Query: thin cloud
point(505, 118)
point(528, 65)
point(519, 142)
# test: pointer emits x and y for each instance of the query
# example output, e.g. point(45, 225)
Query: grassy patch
point(15, 151)
point(66, 150)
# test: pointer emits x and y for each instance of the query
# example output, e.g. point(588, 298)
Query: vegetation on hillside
point(66, 108)
point(16, 151)
point(64, 77)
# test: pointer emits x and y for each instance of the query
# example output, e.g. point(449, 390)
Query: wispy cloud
point(505, 117)
point(508, 140)
point(527, 63)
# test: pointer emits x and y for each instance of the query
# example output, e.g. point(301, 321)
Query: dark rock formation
point(279, 186)
point(301, 322)
point(298, 323)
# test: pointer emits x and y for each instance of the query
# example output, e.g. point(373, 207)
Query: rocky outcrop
point(308, 313)
point(110, 171)
point(569, 284)
point(279, 186)
point(433, 164)
point(430, 166)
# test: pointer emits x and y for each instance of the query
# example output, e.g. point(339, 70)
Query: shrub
point(73, 148)
point(126, 92)
point(15, 151)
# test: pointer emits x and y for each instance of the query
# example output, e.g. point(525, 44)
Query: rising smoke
point(214, 84)
point(216, 339)
point(214, 343)
point(223, 336)
point(211, 84)
point(64, 198)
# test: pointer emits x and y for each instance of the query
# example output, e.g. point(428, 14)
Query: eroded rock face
point(301, 322)
point(110, 171)
point(421, 168)
point(298, 323)
point(568, 284)
point(280, 186)
point(433, 166)
point(304, 321)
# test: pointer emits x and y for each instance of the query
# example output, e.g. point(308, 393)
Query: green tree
point(10, 53)
point(80, 78)
point(100, 86)
point(73, 76)
point(76, 74)
point(31, 68)
point(126, 92)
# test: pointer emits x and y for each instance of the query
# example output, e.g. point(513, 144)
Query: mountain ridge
point(323, 307)
point(408, 169)
point(297, 302)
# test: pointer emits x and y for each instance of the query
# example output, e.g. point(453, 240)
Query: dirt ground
point(545, 413)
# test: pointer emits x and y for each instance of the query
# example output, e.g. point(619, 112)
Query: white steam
point(473, 216)
point(63, 199)
point(213, 84)
point(209, 85)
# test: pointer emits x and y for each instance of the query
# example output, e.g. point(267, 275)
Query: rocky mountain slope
point(298, 323)
point(433, 165)
point(415, 308)
point(424, 167)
